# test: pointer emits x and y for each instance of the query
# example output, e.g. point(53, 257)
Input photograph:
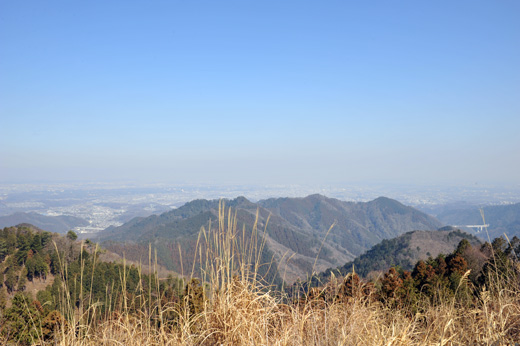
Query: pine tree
point(21, 320)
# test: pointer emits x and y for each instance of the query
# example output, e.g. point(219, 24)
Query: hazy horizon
point(291, 92)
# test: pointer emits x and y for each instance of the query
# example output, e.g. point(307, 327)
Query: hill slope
point(30, 258)
point(297, 232)
point(406, 250)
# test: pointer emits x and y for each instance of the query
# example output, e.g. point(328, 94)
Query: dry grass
point(240, 309)
point(253, 319)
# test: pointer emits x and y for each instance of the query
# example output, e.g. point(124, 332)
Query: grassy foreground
point(234, 306)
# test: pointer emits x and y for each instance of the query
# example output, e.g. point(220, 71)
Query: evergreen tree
point(71, 235)
point(11, 279)
point(3, 249)
point(21, 321)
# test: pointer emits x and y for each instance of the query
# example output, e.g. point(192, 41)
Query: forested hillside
point(41, 271)
point(404, 251)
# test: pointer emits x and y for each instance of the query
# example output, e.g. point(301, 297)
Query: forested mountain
point(298, 239)
point(58, 224)
point(405, 251)
point(502, 219)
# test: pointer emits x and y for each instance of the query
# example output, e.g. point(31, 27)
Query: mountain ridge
point(298, 231)
point(58, 224)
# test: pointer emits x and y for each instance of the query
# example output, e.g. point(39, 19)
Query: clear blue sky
point(260, 91)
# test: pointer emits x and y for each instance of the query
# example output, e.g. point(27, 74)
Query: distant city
point(110, 204)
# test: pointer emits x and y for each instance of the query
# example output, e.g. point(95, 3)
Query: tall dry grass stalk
point(237, 306)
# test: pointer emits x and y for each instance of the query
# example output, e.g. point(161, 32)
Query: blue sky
point(260, 91)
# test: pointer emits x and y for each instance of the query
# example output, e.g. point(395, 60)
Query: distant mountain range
point(502, 219)
point(298, 237)
point(58, 224)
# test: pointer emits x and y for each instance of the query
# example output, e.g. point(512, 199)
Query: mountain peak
point(390, 205)
point(383, 199)
point(317, 198)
